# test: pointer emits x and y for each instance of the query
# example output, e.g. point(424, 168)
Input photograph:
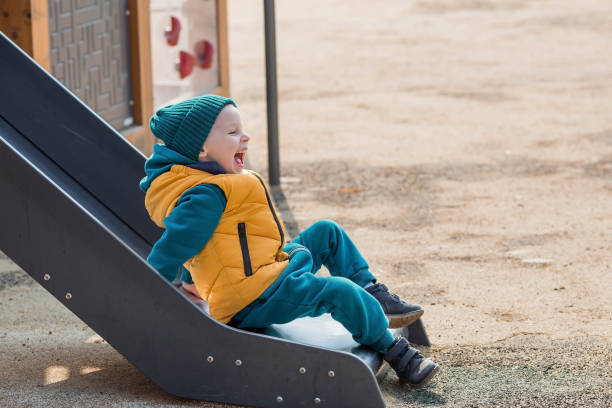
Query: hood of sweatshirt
point(162, 159)
point(162, 196)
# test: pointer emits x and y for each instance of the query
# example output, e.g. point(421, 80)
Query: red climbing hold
point(204, 51)
point(186, 62)
point(172, 32)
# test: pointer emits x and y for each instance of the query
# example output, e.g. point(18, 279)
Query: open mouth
point(239, 158)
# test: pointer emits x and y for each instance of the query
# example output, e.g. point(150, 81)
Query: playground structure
point(125, 58)
point(75, 222)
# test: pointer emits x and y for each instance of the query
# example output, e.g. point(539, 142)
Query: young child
point(223, 232)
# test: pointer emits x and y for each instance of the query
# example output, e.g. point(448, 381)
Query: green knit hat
point(185, 126)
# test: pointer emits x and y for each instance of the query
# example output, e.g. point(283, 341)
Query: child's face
point(227, 142)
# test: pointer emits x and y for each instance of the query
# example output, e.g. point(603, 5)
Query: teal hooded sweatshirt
point(193, 220)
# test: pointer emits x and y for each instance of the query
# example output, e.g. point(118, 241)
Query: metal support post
point(271, 93)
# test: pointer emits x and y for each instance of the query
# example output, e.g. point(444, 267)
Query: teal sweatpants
point(298, 292)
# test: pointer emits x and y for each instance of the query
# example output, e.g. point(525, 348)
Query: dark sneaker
point(399, 313)
point(409, 364)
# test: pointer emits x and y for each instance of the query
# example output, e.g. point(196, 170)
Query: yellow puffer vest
point(244, 255)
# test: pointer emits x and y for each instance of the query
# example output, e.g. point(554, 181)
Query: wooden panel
point(141, 137)
point(40, 33)
point(16, 22)
point(25, 22)
point(224, 78)
point(142, 79)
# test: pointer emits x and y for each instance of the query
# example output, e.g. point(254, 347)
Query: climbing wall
point(89, 50)
point(184, 49)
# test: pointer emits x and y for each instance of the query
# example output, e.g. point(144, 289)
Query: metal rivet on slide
point(47, 276)
point(210, 359)
point(68, 295)
point(317, 400)
point(238, 363)
point(302, 370)
point(279, 399)
point(331, 374)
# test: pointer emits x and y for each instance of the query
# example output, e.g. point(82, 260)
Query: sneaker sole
point(403, 320)
point(424, 382)
point(382, 371)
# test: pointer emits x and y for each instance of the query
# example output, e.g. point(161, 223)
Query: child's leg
point(331, 246)
point(299, 293)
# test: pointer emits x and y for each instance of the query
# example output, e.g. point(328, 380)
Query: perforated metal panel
point(89, 41)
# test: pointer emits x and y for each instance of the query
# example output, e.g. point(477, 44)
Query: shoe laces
point(383, 287)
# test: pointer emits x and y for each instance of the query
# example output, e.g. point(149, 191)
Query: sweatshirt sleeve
point(189, 227)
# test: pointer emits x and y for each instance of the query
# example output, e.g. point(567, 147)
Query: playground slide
point(73, 218)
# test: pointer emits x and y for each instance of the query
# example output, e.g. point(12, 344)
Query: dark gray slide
point(73, 218)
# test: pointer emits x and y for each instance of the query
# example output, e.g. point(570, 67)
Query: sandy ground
point(457, 141)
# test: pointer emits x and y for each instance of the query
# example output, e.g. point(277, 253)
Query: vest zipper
point(278, 224)
point(246, 258)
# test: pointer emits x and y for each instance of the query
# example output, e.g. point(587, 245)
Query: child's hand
point(192, 293)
